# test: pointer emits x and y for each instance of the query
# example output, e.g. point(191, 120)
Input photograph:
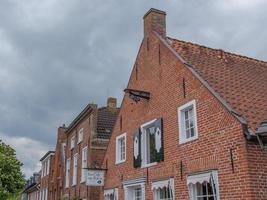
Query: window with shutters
point(75, 167)
point(67, 183)
point(84, 164)
point(187, 120)
point(203, 186)
point(151, 143)
point(121, 148)
point(80, 136)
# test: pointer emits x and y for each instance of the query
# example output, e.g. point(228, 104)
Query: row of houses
point(192, 125)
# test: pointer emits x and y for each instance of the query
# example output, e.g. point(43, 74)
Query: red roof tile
point(239, 80)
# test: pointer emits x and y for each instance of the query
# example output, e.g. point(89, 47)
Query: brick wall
point(161, 73)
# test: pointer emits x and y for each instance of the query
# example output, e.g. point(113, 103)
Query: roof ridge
point(214, 49)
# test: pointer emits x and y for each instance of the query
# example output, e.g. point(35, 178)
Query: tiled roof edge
point(80, 117)
point(214, 49)
point(239, 117)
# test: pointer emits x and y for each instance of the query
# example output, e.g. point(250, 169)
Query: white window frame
point(46, 194)
point(75, 169)
point(118, 148)
point(158, 185)
point(182, 133)
point(84, 164)
point(72, 142)
point(192, 180)
point(108, 193)
point(80, 136)
point(67, 182)
point(129, 190)
point(47, 165)
point(144, 148)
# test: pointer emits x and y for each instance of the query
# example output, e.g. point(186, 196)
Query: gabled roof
point(239, 80)
point(106, 118)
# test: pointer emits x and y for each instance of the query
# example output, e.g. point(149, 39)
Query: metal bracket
point(137, 95)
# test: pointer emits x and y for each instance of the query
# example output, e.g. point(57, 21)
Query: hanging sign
point(95, 177)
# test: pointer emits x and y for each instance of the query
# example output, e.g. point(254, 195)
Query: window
point(163, 190)
point(75, 166)
point(187, 120)
point(80, 136)
point(46, 194)
point(151, 142)
point(84, 164)
point(67, 183)
point(111, 194)
point(121, 148)
point(47, 166)
point(134, 189)
point(204, 186)
point(137, 193)
point(72, 142)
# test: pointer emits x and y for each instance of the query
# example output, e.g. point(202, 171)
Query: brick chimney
point(155, 20)
point(112, 103)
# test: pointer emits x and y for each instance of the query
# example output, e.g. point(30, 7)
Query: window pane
point(138, 194)
point(151, 142)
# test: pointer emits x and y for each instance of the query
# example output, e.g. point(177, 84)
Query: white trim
point(167, 183)
point(84, 162)
point(118, 159)
point(144, 163)
point(201, 178)
point(130, 185)
point(72, 142)
point(80, 136)
point(67, 181)
point(75, 169)
point(163, 183)
point(182, 134)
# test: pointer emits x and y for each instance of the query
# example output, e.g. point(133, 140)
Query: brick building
point(47, 170)
point(192, 124)
point(56, 189)
point(87, 138)
point(31, 190)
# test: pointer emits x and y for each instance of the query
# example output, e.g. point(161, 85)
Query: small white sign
point(95, 177)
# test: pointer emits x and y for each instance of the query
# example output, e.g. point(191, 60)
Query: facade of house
point(56, 189)
point(79, 146)
point(192, 124)
point(31, 190)
point(47, 171)
point(86, 142)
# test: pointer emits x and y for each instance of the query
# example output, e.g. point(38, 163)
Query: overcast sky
point(58, 55)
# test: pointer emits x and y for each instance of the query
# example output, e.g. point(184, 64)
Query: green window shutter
point(137, 148)
point(159, 140)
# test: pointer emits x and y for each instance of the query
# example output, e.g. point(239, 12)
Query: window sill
point(183, 141)
point(149, 165)
point(120, 162)
point(82, 181)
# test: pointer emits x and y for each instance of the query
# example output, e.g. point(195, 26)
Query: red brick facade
point(96, 125)
point(220, 145)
